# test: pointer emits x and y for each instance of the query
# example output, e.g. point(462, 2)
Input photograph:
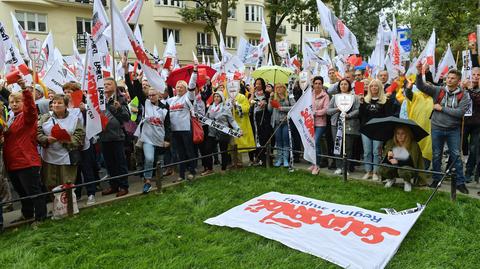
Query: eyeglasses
point(152, 95)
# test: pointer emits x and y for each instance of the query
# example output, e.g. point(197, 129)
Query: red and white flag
point(302, 116)
point(20, 34)
point(148, 68)
point(446, 63)
point(394, 48)
point(94, 69)
point(13, 60)
point(264, 38)
point(48, 50)
point(343, 39)
point(427, 56)
point(100, 20)
point(131, 12)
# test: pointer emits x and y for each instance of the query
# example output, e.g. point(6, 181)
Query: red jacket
point(20, 144)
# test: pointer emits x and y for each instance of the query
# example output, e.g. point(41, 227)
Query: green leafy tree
point(210, 12)
point(452, 21)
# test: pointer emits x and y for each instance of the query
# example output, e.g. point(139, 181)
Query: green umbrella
point(273, 74)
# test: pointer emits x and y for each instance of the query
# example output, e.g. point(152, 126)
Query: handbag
point(197, 131)
point(75, 157)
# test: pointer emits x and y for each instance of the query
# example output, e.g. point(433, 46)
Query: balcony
point(76, 3)
point(206, 49)
point(81, 40)
point(252, 27)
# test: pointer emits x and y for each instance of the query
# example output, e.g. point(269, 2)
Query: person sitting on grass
point(402, 151)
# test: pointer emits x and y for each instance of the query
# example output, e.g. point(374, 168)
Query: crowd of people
point(45, 145)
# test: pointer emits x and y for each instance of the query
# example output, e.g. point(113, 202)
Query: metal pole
point(344, 151)
point(159, 176)
point(453, 185)
point(112, 47)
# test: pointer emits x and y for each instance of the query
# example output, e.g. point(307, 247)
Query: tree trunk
point(224, 18)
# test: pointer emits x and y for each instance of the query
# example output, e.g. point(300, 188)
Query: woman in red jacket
point(21, 157)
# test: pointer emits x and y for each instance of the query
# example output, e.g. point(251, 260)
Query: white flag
point(264, 38)
point(203, 58)
point(55, 78)
point(343, 39)
point(96, 86)
point(446, 63)
point(99, 20)
point(317, 43)
point(2, 56)
point(170, 50)
point(121, 41)
point(93, 122)
point(427, 55)
point(394, 49)
point(302, 116)
point(378, 55)
point(138, 36)
point(384, 28)
point(282, 48)
point(215, 56)
point(131, 12)
point(223, 50)
point(48, 49)
point(20, 34)
point(13, 59)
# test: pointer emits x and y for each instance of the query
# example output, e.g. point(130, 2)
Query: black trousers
point(27, 182)
point(87, 171)
point(183, 144)
point(211, 144)
point(116, 163)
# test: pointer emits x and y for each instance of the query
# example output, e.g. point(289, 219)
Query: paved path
point(136, 186)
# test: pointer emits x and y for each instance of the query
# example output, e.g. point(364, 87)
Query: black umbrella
point(382, 128)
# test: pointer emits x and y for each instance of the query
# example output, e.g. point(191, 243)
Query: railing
point(159, 174)
point(89, 2)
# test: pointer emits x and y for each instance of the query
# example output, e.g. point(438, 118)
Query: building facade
point(69, 19)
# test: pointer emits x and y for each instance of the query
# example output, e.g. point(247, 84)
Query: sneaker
point(311, 167)
point(389, 183)
point(91, 200)
point(338, 171)
point(191, 177)
point(147, 187)
point(168, 172)
point(407, 187)
point(462, 188)
point(278, 163)
point(375, 177)
point(178, 180)
point(367, 176)
point(315, 170)
point(35, 224)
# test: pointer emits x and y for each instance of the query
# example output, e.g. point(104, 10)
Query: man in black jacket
point(113, 137)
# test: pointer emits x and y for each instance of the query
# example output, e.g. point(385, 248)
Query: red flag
point(77, 98)
point(60, 134)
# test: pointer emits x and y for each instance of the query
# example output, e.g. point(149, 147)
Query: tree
point(294, 11)
point(452, 21)
point(210, 12)
point(361, 17)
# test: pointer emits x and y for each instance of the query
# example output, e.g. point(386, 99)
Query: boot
point(286, 157)
point(279, 158)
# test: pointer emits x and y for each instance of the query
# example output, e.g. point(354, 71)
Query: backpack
point(442, 93)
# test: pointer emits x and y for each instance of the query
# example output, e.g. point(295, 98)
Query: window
point(170, 3)
point(231, 42)
point(84, 25)
point(204, 39)
point(232, 13)
point(311, 28)
point(254, 42)
point(176, 34)
point(253, 13)
point(32, 22)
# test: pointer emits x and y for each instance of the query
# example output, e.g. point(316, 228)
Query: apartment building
point(69, 19)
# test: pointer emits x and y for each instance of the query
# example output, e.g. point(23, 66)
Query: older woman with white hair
point(180, 117)
point(374, 105)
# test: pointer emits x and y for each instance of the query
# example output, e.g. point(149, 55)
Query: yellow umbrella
point(273, 74)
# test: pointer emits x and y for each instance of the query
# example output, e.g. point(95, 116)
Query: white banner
point(302, 116)
point(349, 236)
point(220, 127)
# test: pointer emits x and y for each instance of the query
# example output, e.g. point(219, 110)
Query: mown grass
point(167, 230)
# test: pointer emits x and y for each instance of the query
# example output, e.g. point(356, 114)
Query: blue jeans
point(149, 153)
point(319, 131)
point(371, 153)
point(452, 137)
point(281, 137)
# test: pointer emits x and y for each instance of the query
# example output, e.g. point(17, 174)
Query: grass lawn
point(167, 230)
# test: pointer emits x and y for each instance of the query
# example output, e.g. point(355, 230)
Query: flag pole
point(271, 51)
point(112, 47)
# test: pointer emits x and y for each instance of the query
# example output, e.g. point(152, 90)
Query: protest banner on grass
point(349, 236)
